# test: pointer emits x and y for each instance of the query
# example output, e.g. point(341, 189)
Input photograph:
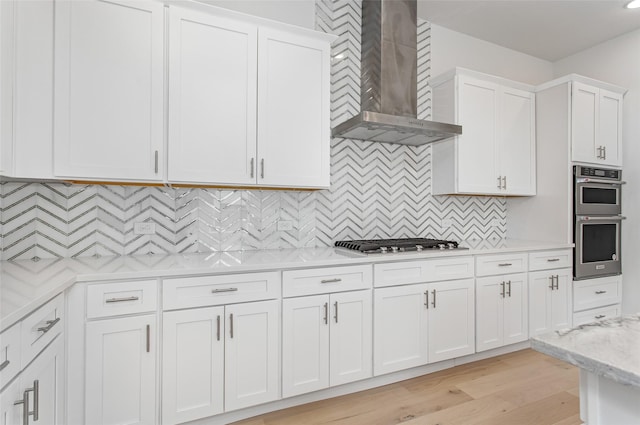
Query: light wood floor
point(522, 388)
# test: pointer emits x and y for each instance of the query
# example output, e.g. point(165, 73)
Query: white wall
point(618, 62)
point(450, 49)
point(295, 12)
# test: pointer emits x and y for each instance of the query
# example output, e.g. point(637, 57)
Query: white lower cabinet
point(502, 310)
point(38, 392)
point(550, 300)
point(218, 359)
point(416, 324)
point(326, 341)
point(121, 371)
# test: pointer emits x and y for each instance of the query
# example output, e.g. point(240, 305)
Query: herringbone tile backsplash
point(377, 190)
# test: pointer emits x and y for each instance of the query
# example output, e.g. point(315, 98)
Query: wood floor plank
point(522, 388)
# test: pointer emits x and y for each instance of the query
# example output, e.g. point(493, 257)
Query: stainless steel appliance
point(597, 222)
point(392, 246)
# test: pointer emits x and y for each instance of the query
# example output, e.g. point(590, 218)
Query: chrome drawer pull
point(551, 260)
point(505, 264)
point(50, 324)
point(600, 316)
point(4, 365)
point(336, 280)
point(120, 300)
point(217, 291)
point(600, 292)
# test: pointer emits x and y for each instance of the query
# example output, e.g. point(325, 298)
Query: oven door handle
point(601, 181)
point(583, 218)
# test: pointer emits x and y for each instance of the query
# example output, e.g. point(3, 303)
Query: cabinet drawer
point(557, 259)
point(324, 280)
point(596, 314)
point(431, 270)
point(487, 265)
point(115, 299)
point(202, 291)
point(594, 293)
point(40, 328)
point(9, 354)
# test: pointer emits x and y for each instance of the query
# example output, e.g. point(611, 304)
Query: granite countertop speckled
point(25, 285)
point(610, 348)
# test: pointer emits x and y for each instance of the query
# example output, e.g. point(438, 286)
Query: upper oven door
point(597, 197)
point(597, 246)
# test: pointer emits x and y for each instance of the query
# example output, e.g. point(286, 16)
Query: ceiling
point(546, 29)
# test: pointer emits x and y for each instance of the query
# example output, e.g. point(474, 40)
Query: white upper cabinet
point(248, 103)
point(26, 88)
point(109, 86)
point(495, 155)
point(212, 95)
point(293, 109)
point(596, 124)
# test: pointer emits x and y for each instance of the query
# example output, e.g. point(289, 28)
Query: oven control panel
point(598, 172)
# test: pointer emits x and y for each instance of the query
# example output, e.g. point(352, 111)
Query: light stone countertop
point(25, 285)
point(610, 348)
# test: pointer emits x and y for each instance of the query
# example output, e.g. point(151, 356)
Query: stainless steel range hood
point(389, 62)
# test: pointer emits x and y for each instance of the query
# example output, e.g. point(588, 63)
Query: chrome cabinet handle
point(552, 260)
point(499, 182)
point(604, 152)
point(557, 277)
point(231, 325)
point(551, 278)
point(36, 400)
point(504, 180)
point(120, 300)
point(600, 292)
point(505, 264)
point(252, 166)
point(217, 291)
point(218, 328)
point(262, 168)
point(600, 316)
point(326, 313)
point(331, 280)
point(509, 290)
point(155, 168)
point(336, 316)
point(426, 299)
point(433, 303)
point(50, 324)
point(25, 406)
point(4, 365)
point(148, 338)
point(502, 289)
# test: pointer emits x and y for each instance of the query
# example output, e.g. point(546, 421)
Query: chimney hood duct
point(389, 84)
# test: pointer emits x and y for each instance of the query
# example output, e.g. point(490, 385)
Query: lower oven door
point(597, 246)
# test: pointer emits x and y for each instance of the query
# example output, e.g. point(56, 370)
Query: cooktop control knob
point(441, 245)
point(394, 249)
point(419, 248)
point(451, 246)
point(383, 249)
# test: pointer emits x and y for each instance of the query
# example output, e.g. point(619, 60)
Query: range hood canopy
point(389, 63)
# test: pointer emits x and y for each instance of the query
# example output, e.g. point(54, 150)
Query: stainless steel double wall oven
point(597, 222)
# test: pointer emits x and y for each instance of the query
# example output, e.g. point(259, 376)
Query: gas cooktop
point(384, 246)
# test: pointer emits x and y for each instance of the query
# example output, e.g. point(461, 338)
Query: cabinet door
point(305, 344)
point(490, 312)
point(400, 328)
point(516, 309)
point(109, 89)
point(121, 371)
point(252, 371)
point(46, 377)
point(212, 87)
point(293, 110)
point(351, 339)
point(476, 147)
point(584, 122)
point(193, 364)
point(610, 126)
point(561, 297)
point(540, 310)
point(451, 319)
point(10, 413)
point(517, 147)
